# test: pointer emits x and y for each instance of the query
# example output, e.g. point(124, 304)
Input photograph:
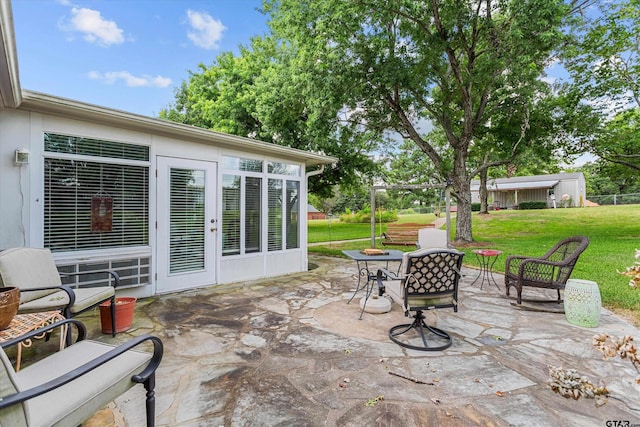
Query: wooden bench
point(402, 234)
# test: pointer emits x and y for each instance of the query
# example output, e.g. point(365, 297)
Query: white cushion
point(78, 400)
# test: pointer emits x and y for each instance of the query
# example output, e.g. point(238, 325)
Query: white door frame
point(198, 276)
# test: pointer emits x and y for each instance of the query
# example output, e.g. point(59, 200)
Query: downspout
point(307, 175)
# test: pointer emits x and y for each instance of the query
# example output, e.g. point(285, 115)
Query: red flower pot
point(124, 314)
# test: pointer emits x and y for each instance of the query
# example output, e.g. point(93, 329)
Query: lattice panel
point(432, 273)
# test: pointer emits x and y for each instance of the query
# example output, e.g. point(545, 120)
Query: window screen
point(92, 205)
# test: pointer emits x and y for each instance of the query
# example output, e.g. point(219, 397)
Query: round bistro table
point(487, 259)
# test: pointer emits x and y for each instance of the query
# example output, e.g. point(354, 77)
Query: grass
point(614, 232)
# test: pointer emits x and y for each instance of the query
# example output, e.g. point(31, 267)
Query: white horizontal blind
point(56, 143)
point(253, 217)
point(187, 211)
point(72, 186)
point(231, 214)
point(274, 199)
point(293, 211)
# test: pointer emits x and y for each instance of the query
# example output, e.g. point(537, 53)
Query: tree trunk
point(484, 194)
point(462, 188)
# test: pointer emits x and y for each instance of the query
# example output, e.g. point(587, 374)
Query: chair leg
point(113, 316)
point(149, 386)
point(420, 326)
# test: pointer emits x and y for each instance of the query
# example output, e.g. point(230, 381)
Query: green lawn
point(614, 232)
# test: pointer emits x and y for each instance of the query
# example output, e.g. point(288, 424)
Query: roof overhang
point(10, 95)
point(512, 186)
point(67, 108)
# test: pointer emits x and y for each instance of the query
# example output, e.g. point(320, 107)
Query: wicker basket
point(9, 302)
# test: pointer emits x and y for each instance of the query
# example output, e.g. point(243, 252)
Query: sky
point(126, 54)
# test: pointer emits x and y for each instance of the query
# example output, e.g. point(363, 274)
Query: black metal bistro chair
point(428, 280)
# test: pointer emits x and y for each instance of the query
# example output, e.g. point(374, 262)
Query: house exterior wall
point(573, 184)
point(21, 198)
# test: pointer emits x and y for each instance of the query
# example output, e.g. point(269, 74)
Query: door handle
point(213, 229)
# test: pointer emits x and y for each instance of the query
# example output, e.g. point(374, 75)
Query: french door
point(187, 226)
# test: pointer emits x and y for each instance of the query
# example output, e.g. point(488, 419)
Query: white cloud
point(205, 31)
point(129, 79)
point(94, 27)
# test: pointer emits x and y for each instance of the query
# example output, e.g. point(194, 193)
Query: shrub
point(475, 207)
point(533, 205)
point(364, 216)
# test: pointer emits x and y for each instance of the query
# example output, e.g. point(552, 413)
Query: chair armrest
point(82, 332)
point(66, 288)
point(116, 276)
point(512, 264)
point(382, 275)
point(74, 374)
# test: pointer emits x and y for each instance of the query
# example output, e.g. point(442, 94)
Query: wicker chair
point(550, 271)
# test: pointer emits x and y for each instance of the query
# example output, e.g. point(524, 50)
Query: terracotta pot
point(9, 302)
point(124, 314)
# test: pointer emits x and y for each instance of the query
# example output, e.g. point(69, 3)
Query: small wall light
point(22, 156)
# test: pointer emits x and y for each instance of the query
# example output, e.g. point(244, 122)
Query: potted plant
point(124, 314)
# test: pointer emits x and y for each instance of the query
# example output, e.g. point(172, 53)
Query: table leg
point(362, 272)
point(490, 273)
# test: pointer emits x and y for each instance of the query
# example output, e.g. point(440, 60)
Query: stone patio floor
point(290, 351)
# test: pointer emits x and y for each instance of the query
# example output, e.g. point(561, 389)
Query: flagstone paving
point(290, 351)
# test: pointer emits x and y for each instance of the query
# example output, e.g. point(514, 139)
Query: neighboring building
point(168, 206)
point(313, 213)
point(557, 190)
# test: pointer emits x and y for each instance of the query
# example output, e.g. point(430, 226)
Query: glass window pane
point(90, 205)
point(187, 222)
point(55, 143)
point(230, 214)
point(284, 169)
point(274, 232)
point(241, 164)
point(252, 210)
point(293, 235)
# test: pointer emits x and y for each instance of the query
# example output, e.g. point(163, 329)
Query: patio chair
point(34, 271)
point(550, 271)
point(428, 280)
point(68, 387)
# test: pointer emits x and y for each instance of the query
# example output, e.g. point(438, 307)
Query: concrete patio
point(291, 351)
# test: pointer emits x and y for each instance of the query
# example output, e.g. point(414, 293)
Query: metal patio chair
point(428, 280)
point(68, 387)
point(34, 271)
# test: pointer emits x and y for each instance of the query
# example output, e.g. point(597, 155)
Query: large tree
point(454, 62)
point(259, 94)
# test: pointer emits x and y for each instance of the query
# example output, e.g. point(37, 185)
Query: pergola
point(447, 201)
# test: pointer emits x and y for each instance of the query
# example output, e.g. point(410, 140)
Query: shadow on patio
point(290, 351)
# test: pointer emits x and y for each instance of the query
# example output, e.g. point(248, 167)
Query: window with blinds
point(274, 196)
point(231, 214)
point(293, 188)
point(187, 211)
point(90, 201)
point(243, 205)
point(253, 214)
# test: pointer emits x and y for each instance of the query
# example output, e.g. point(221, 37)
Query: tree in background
point(604, 65)
point(456, 63)
point(259, 94)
